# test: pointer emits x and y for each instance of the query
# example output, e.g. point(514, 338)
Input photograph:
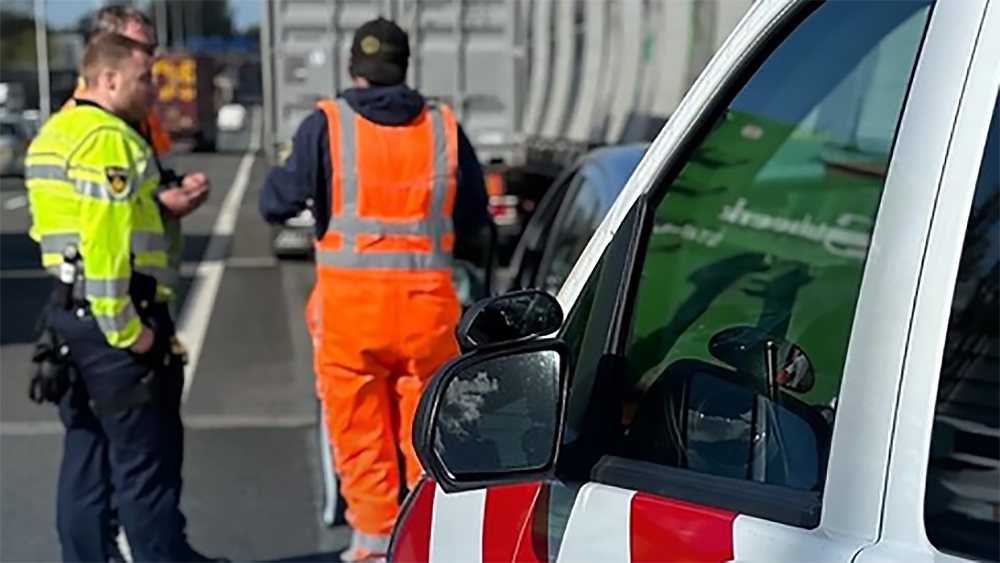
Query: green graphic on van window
point(766, 226)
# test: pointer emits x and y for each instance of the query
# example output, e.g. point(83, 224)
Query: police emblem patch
point(117, 179)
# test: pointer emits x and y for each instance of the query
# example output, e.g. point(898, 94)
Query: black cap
point(380, 53)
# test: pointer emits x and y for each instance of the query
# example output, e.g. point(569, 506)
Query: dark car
point(568, 215)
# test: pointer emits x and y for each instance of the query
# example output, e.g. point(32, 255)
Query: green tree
point(17, 35)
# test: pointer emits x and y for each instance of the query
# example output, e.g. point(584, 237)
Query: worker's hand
point(145, 342)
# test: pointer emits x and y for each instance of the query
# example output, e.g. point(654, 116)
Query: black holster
point(51, 380)
point(52, 355)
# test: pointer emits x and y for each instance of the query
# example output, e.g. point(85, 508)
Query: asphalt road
point(252, 480)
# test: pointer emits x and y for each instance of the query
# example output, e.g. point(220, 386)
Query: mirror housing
point(492, 418)
point(769, 360)
point(511, 318)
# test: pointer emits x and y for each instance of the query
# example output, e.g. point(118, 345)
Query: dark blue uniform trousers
point(136, 451)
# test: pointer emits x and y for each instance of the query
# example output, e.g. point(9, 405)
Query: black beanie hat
point(380, 53)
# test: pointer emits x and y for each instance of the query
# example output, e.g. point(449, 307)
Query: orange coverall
point(383, 313)
point(152, 128)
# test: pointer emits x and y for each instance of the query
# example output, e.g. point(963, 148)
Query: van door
point(741, 407)
point(943, 490)
point(739, 327)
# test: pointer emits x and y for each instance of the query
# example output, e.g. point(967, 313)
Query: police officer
point(176, 197)
point(396, 187)
point(91, 179)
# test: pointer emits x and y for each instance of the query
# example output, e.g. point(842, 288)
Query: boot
point(366, 548)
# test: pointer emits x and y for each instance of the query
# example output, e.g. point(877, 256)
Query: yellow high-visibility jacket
point(91, 179)
point(152, 130)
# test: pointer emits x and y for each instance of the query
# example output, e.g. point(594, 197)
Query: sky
point(63, 13)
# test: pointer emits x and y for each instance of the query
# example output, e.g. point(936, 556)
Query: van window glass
point(579, 219)
point(575, 324)
point(962, 502)
point(762, 237)
point(574, 331)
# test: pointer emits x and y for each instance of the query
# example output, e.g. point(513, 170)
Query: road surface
point(252, 480)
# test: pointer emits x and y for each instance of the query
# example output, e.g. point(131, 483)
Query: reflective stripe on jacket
point(393, 192)
point(91, 179)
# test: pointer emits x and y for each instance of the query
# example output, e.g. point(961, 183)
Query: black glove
point(52, 379)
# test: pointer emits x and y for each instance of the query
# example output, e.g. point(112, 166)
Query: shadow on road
point(19, 252)
point(24, 299)
point(25, 288)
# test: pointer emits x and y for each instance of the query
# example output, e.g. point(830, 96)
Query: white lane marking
point(191, 422)
point(16, 202)
point(193, 322)
point(23, 274)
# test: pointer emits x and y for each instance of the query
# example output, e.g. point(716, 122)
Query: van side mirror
point(492, 418)
point(511, 318)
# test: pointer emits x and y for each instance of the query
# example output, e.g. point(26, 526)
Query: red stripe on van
point(669, 530)
point(413, 534)
point(508, 523)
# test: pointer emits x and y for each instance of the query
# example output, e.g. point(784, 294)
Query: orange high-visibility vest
point(384, 310)
point(151, 128)
point(392, 193)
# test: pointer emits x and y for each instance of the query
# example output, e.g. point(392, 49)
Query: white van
point(782, 343)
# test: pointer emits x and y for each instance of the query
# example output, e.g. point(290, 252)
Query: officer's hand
point(196, 187)
point(177, 202)
point(145, 342)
